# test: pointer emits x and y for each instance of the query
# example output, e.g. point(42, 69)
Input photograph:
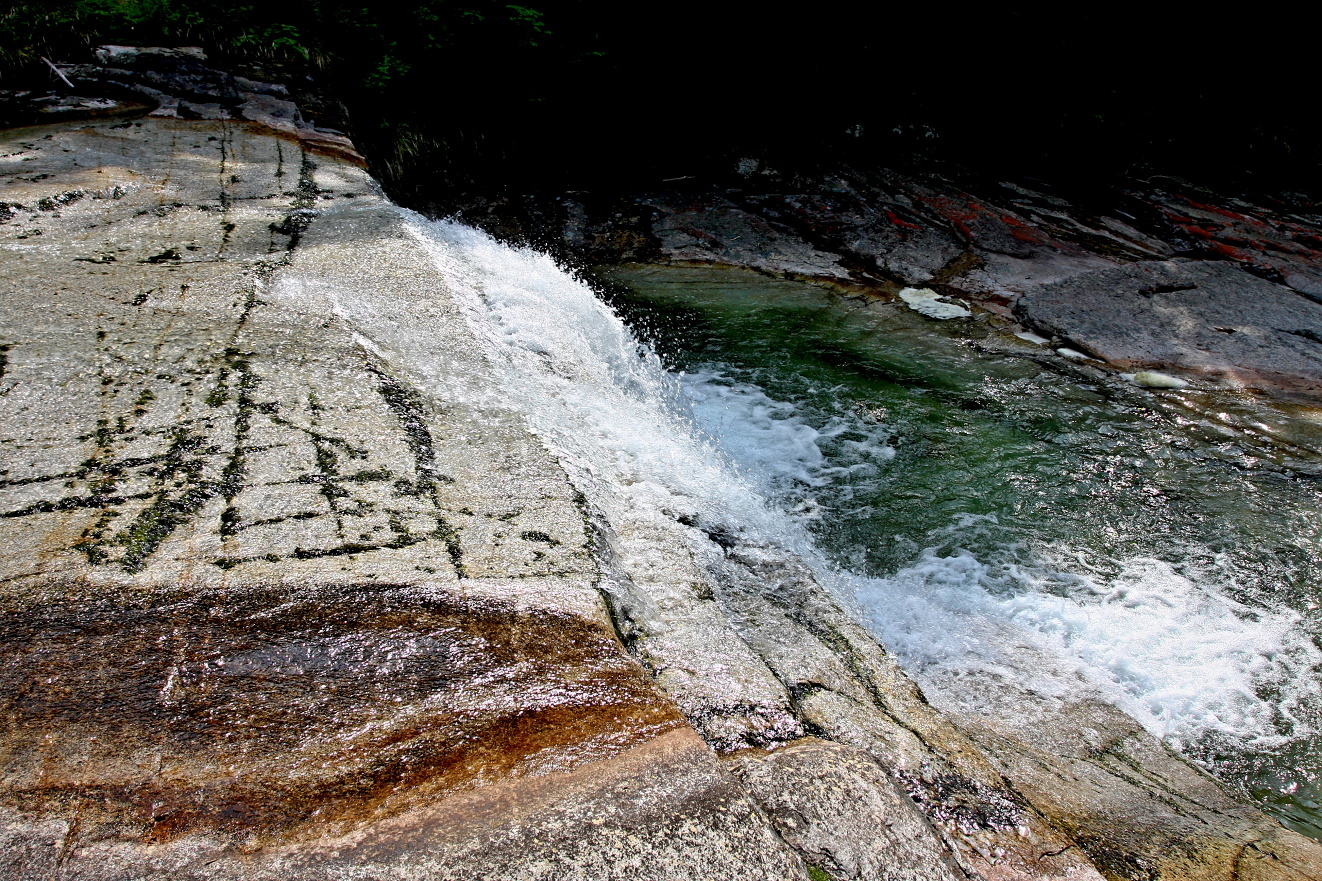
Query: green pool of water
point(1005, 450)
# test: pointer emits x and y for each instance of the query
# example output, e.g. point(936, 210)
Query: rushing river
point(981, 502)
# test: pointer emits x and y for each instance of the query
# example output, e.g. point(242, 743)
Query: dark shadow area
point(477, 99)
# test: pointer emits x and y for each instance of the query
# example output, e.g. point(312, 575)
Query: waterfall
point(622, 425)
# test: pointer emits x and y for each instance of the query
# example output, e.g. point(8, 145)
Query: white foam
point(775, 444)
point(619, 421)
point(1181, 657)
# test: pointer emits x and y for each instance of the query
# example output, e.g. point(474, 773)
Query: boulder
point(1202, 316)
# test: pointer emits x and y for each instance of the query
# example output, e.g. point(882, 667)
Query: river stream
point(989, 508)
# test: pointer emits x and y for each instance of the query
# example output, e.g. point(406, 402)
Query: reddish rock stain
point(260, 713)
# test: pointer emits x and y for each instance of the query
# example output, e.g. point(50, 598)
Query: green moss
point(347, 549)
point(54, 203)
point(817, 874)
point(370, 475)
point(446, 533)
point(231, 478)
point(184, 492)
point(303, 207)
point(141, 402)
point(327, 450)
point(150, 528)
point(407, 407)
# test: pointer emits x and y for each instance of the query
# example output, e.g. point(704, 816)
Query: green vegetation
point(30, 30)
point(457, 103)
point(396, 67)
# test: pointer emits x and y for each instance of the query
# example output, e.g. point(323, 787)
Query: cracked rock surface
point(279, 601)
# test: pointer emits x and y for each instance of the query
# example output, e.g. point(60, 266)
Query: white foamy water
point(1171, 649)
point(619, 421)
point(775, 446)
point(1180, 656)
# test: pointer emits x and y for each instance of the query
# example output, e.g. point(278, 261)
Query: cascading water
point(987, 518)
point(618, 420)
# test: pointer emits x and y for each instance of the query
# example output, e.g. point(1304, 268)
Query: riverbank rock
point(1206, 317)
point(1056, 266)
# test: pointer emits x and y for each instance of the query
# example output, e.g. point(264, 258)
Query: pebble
point(1152, 379)
point(926, 301)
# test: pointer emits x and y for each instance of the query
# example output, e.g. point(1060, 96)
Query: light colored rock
point(676, 627)
point(1136, 808)
point(837, 807)
point(848, 688)
point(661, 810)
point(1152, 379)
point(928, 302)
point(287, 591)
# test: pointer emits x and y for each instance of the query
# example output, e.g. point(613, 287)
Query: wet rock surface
point(261, 714)
point(839, 808)
point(287, 592)
point(1136, 810)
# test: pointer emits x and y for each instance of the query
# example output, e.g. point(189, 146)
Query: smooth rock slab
point(286, 591)
point(263, 712)
point(662, 810)
point(1208, 317)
